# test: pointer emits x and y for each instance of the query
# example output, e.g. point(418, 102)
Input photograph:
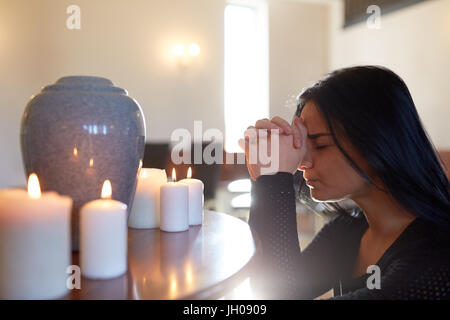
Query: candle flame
point(174, 175)
point(34, 189)
point(75, 151)
point(107, 190)
point(91, 162)
point(189, 173)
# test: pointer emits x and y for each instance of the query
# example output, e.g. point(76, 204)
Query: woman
point(356, 135)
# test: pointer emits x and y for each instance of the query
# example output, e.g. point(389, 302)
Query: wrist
point(277, 174)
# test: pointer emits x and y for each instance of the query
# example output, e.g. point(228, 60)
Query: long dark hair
point(372, 107)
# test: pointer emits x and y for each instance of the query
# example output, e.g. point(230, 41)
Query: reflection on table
point(205, 262)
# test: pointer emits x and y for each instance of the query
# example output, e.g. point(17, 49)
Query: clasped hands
point(273, 146)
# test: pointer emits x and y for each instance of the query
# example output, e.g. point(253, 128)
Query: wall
point(127, 42)
point(130, 45)
point(298, 49)
point(415, 43)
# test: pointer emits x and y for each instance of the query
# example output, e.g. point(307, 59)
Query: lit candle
point(145, 212)
point(35, 248)
point(195, 199)
point(174, 206)
point(103, 237)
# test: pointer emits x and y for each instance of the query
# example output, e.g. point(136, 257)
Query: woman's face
point(328, 174)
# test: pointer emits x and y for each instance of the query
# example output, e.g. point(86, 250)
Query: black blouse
point(415, 266)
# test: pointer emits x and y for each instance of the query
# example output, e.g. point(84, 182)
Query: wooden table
point(204, 262)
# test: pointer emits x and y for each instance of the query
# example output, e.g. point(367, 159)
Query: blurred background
point(225, 63)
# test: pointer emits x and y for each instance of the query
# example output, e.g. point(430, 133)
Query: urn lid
point(85, 83)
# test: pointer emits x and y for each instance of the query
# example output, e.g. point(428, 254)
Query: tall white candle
point(35, 248)
point(195, 199)
point(145, 212)
point(174, 206)
point(103, 237)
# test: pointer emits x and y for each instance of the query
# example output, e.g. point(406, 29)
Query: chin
point(318, 196)
point(319, 199)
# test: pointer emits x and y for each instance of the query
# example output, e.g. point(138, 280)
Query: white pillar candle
point(195, 199)
point(145, 212)
point(174, 206)
point(35, 248)
point(103, 237)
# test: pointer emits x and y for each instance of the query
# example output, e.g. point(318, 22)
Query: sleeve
point(284, 271)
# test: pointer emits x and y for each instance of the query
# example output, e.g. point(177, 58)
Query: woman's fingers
point(299, 124)
point(253, 134)
point(250, 131)
point(274, 124)
point(282, 124)
point(297, 134)
point(267, 124)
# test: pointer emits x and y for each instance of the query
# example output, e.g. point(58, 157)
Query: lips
point(310, 182)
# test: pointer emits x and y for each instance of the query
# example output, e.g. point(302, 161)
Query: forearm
point(284, 271)
point(272, 212)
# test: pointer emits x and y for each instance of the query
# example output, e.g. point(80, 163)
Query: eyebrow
point(317, 135)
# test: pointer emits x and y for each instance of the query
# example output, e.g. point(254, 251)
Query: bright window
point(246, 68)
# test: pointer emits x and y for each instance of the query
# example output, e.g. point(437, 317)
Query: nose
point(307, 162)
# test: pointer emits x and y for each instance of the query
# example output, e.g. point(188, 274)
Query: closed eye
point(320, 147)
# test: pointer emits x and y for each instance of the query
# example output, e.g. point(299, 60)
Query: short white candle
point(195, 199)
point(35, 248)
point(103, 237)
point(145, 212)
point(174, 206)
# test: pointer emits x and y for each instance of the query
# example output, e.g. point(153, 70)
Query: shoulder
point(423, 246)
point(428, 238)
